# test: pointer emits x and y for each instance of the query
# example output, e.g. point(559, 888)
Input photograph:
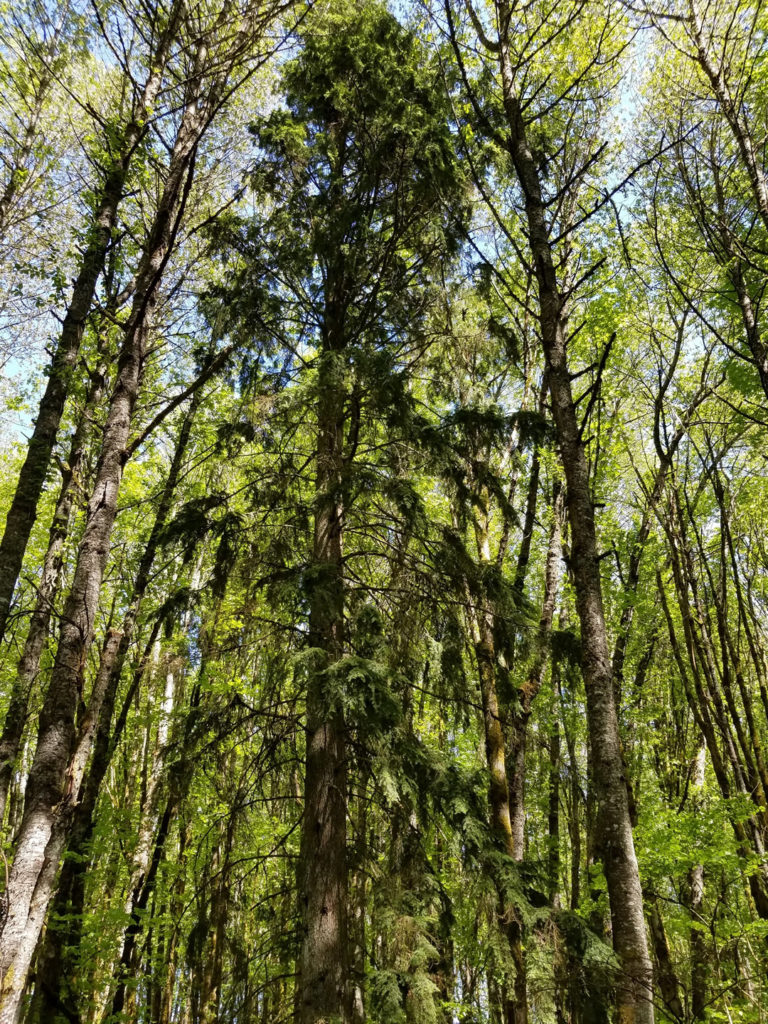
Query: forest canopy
point(383, 547)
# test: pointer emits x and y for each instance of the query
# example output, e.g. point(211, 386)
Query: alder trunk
point(55, 965)
point(61, 754)
point(29, 663)
point(666, 976)
point(22, 513)
point(53, 782)
point(13, 726)
point(23, 509)
point(635, 984)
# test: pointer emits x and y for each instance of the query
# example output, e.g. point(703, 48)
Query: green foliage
point(355, 229)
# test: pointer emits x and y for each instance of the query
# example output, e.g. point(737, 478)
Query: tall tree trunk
point(154, 831)
point(23, 509)
point(56, 773)
point(141, 888)
point(29, 663)
point(553, 818)
point(211, 997)
point(530, 688)
point(57, 963)
point(705, 700)
point(733, 108)
point(695, 900)
point(53, 783)
point(56, 967)
point(519, 727)
point(495, 754)
point(635, 985)
point(324, 964)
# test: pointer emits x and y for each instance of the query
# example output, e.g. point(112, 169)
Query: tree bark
point(733, 109)
point(23, 509)
point(635, 986)
point(553, 818)
point(530, 688)
point(29, 663)
point(705, 700)
point(55, 966)
point(495, 753)
point(666, 976)
point(695, 900)
point(55, 776)
point(323, 993)
point(324, 954)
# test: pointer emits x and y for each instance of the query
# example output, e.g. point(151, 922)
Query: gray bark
point(56, 774)
point(54, 963)
point(23, 509)
point(29, 663)
point(666, 975)
point(635, 985)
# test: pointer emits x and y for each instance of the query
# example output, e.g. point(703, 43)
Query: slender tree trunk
point(635, 986)
point(357, 925)
point(481, 619)
point(55, 961)
point(705, 701)
point(695, 899)
point(531, 502)
point(519, 729)
point(140, 890)
point(177, 906)
point(55, 776)
point(666, 976)
point(29, 663)
point(23, 509)
point(532, 685)
point(553, 818)
point(156, 961)
point(495, 754)
point(732, 109)
point(153, 834)
point(53, 781)
point(154, 831)
point(211, 997)
point(499, 806)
